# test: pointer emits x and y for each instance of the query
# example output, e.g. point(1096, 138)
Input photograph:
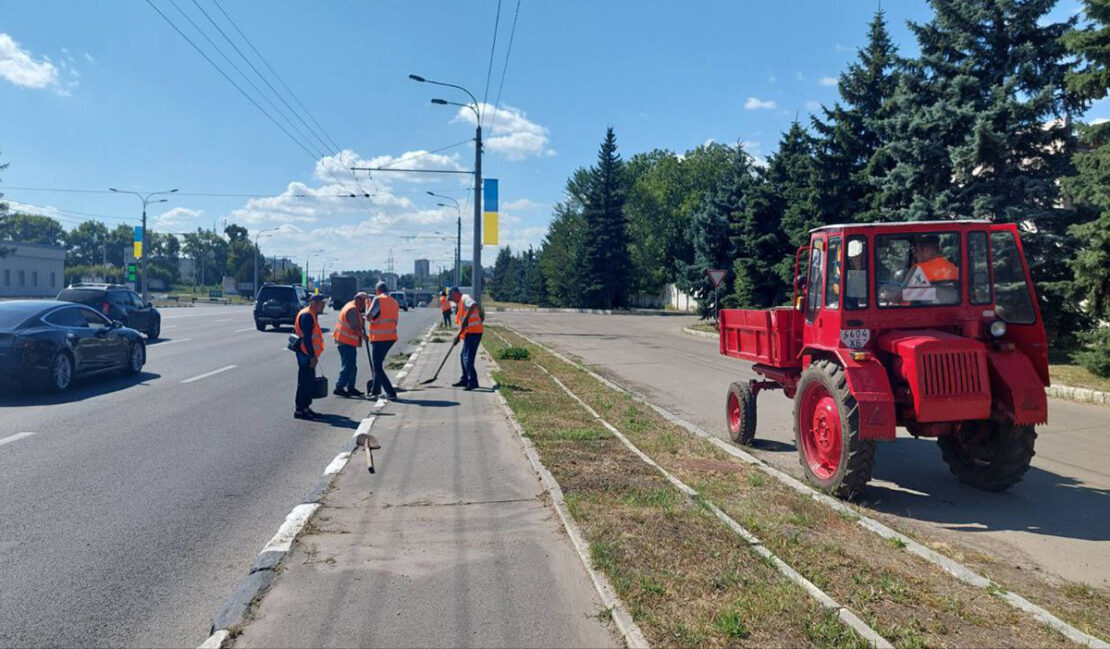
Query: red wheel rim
point(821, 438)
point(733, 413)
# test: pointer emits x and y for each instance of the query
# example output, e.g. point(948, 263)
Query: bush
point(1095, 357)
point(513, 354)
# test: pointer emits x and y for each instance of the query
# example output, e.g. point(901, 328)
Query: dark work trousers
point(348, 359)
point(447, 319)
point(378, 351)
point(306, 381)
point(467, 356)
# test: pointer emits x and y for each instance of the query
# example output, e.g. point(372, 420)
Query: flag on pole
point(489, 215)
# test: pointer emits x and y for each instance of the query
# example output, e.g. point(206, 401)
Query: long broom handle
point(444, 361)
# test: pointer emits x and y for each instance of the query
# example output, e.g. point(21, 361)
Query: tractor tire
point(826, 431)
point(995, 462)
point(740, 413)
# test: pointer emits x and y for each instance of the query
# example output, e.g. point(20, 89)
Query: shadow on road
point(338, 421)
point(82, 389)
point(429, 403)
point(772, 446)
point(1043, 503)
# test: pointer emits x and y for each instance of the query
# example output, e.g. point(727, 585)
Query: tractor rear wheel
point(740, 413)
point(826, 430)
point(989, 455)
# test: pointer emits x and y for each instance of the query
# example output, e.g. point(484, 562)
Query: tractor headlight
point(998, 328)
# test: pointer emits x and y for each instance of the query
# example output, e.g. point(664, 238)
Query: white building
point(31, 269)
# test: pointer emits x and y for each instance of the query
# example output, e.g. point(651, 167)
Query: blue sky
point(99, 94)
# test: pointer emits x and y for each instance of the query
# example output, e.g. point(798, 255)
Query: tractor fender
point(1018, 392)
point(867, 379)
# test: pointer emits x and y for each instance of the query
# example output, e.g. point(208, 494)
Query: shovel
point(368, 443)
point(370, 383)
point(441, 364)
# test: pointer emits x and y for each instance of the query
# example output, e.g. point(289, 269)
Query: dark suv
point(277, 305)
point(117, 302)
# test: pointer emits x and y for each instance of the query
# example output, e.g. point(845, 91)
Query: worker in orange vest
point(350, 331)
point(469, 316)
point(383, 315)
point(930, 269)
point(445, 308)
point(308, 349)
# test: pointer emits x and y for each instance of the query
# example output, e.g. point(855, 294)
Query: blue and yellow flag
point(489, 214)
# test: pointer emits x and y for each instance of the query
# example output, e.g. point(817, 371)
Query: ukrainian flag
point(489, 214)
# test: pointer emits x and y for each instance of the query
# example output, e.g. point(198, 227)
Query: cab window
point(1011, 292)
point(855, 273)
point(832, 284)
point(979, 271)
point(921, 269)
point(816, 282)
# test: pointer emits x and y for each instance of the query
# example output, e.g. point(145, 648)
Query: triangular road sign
point(717, 276)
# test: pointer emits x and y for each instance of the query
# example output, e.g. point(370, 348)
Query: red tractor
point(933, 326)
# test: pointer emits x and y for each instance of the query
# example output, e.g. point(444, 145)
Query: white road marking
point(223, 320)
point(14, 438)
point(208, 374)
point(239, 331)
point(172, 341)
point(170, 326)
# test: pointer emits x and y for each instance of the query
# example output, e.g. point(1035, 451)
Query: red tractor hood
point(947, 374)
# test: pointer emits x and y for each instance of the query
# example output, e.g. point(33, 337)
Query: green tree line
point(978, 125)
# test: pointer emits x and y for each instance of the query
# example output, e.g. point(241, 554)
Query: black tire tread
point(746, 434)
point(1008, 469)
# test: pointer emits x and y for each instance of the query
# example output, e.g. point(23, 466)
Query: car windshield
point(921, 269)
point(14, 313)
point(89, 296)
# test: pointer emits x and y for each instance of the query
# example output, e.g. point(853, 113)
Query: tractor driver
point(932, 278)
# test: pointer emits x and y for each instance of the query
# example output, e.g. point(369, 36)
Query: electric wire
point(504, 69)
point(492, 50)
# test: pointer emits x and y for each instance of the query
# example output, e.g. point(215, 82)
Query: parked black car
point(53, 342)
point(117, 302)
point(278, 305)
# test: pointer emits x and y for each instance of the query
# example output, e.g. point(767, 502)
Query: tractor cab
point(933, 326)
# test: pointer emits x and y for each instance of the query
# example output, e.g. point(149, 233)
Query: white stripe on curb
point(952, 567)
point(337, 464)
point(216, 640)
point(292, 526)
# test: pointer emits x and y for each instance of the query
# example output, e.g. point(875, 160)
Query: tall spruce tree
point(500, 285)
point(605, 255)
point(848, 133)
point(778, 215)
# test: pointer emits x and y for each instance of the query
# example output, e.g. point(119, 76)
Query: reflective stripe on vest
point(343, 332)
point(384, 327)
point(317, 337)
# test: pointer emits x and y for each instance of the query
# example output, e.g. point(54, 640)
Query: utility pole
point(146, 200)
point(476, 270)
point(458, 234)
point(256, 254)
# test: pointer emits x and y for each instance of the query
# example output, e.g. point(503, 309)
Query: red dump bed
point(768, 336)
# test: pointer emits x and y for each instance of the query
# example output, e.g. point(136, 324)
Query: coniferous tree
point(499, 286)
point(561, 259)
point(849, 133)
point(605, 254)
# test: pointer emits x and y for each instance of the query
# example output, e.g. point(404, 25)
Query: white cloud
point(1099, 120)
point(19, 67)
point(754, 103)
point(827, 81)
point(521, 204)
point(513, 135)
point(520, 239)
point(178, 219)
point(89, 58)
point(813, 106)
point(755, 150)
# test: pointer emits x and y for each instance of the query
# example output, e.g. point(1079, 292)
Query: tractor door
point(823, 292)
point(1015, 302)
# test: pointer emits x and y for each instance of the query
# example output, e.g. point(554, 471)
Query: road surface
point(1055, 519)
point(138, 502)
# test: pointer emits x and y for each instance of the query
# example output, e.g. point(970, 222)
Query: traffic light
point(131, 272)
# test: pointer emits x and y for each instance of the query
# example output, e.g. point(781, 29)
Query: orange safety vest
point(343, 332)
point(317, 337)
point(474, 324)
point(384, 327)
point(444, 304)
point(939, 269)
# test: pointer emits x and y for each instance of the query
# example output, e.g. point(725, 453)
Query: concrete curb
point(952, 567)
point(261, 573)
point(699, 334)
point(630, 631)
point(660, 312)
point(845, 615)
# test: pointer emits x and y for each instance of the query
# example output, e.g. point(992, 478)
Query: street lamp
point(257, 235)
point(476, 107)
point(146, 201)
point(458, 227)
point(306, 260)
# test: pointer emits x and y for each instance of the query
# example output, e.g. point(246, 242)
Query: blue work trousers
point(467, 356)
point(348, 372)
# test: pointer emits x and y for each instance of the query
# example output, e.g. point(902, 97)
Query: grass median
point(907, 600)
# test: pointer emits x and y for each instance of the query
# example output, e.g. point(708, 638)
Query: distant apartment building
point(31, 269)
point(423, 271)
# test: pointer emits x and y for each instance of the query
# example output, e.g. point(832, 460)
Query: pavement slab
point(450, 543)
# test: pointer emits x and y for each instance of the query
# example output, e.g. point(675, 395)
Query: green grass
point(1077, 377)
point(513, 354)
point(730, 624)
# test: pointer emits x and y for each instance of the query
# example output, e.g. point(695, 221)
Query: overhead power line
point(68, 190)
point(492, 49)
point(504, 69)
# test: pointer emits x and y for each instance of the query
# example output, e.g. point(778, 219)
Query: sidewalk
point(450, 543)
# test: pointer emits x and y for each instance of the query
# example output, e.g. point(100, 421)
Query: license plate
point(855, 338)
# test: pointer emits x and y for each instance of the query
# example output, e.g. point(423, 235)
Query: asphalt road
point(138, 502)
point(1056, 519)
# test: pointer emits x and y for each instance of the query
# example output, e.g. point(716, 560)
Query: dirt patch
point(705, 465)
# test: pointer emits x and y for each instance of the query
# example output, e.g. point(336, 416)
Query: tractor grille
point(952, 373)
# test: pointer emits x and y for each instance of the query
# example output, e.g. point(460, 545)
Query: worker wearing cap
point(350, 331)
point(469, 317)
point(308, 349)
point(445, 308)
point(383, 316)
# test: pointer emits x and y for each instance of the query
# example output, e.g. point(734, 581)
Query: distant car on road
point(402, 300)
point(54, 342)
point(117, 302)
point(278, 304)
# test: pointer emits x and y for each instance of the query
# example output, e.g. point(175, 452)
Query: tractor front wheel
point(989, 455)
point(826, 430)
point(740, 413)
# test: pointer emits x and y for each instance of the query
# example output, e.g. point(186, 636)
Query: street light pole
point(458, 234)
point(146, 200)
point(476, 270)
point(256, 253)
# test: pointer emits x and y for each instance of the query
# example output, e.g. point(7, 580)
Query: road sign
point(717, 276)
point(131, 272)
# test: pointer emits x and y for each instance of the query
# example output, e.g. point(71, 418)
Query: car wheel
point(154, 331)
point(136, 358)
point(259, 325)
point(61, 372)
